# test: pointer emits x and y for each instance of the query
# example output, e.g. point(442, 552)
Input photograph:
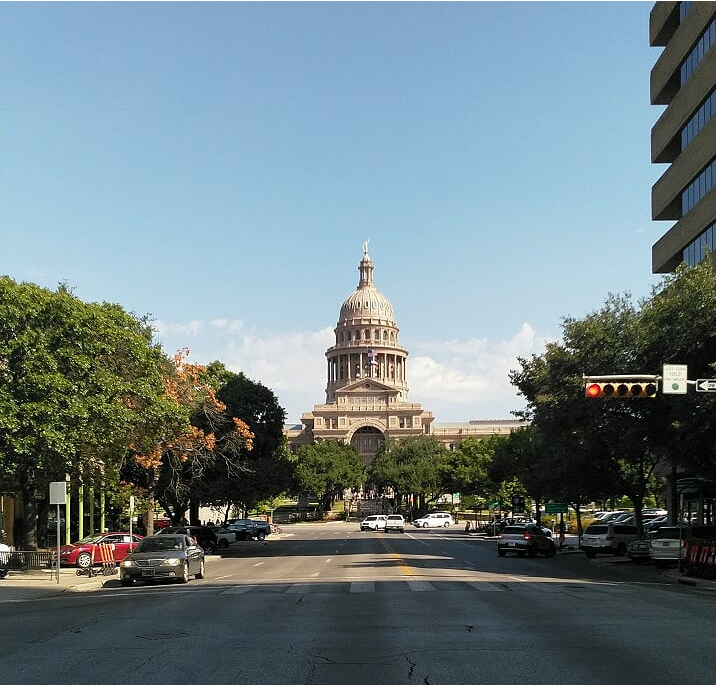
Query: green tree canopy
point(81, 382)
point(328, 467)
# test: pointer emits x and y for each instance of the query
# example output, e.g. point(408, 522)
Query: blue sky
point(219, 165)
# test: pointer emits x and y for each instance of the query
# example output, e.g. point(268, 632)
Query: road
point(329, 605)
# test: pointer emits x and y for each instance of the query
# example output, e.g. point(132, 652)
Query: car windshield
point(160, 544)
point(668, 532)
point(518, 530)
point(89, 540)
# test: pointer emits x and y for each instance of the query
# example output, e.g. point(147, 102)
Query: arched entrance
point(367, 441)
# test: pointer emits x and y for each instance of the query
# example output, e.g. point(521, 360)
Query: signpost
point(706, 385)
point(555, 508)
point(674, 379)
point(58, 496)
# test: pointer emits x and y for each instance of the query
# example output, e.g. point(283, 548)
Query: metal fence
point(27, 561)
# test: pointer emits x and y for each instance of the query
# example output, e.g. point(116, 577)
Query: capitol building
point(367, 383)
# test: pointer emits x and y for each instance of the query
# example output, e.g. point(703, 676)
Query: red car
point(85, 553)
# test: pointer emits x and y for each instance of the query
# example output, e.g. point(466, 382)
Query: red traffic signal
point(620, 389)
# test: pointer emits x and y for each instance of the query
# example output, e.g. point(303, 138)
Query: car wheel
point(209, 548)
point(621, 550)
point(84, 560)
point(184, 573)
point(532, 551)
point(447, 525)
point(552, 551)
point(126, 582)
point(200, 574)
point(260, 536)
point(223, 543)
point(501, 552)
point(425, 525)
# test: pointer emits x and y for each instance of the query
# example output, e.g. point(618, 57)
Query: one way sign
point(706, 385)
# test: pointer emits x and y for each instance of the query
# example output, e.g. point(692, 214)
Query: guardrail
point(27, 561)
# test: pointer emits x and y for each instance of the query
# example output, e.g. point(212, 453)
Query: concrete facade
point(684, 137)
point(367, 383)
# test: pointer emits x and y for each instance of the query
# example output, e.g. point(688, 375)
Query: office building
point(684, 137)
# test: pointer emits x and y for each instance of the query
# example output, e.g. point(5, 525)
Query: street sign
point(493, 505)
point(555, 508)
point(674, 379)
point(706, 385)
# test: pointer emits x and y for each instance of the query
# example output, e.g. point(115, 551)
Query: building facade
point(684, 137)
point(367, 383)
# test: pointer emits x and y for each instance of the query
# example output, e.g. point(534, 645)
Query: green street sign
point(555, 508)
point(493, 505)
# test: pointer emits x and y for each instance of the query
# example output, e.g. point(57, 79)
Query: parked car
point(373, 522)
point(203, 535)
point(667, 545)
point(223, 535)
point(525, 539)
point(607, 538)
point(85, 553)
point(638, 550)
point(438, 519)
point(395, 522)
point(656, 523)
point(4, 560)
point(249, 529)
point(164, 556)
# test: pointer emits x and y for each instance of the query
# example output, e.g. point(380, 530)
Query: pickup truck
point(249, 529)
point(225, 536)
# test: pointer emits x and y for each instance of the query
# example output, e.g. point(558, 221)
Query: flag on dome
point(373, 357)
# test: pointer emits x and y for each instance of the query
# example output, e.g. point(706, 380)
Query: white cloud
point(457, 380)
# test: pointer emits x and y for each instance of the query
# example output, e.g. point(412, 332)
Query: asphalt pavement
point(19, 586)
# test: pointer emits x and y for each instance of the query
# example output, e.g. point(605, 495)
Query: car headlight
point(127, 563)
point(172, 562)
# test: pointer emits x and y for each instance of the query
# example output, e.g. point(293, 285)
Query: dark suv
point(204, 536)
point(525, 539)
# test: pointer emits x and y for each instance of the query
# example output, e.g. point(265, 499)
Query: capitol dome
point(366, 302)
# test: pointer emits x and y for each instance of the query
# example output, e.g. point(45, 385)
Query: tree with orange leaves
point(167, 472)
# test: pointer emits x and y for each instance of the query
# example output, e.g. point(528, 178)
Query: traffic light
point(616, 388)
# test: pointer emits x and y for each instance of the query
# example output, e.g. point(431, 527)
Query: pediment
point(366, 385)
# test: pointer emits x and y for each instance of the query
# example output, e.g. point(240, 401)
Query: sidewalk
point(17, 586)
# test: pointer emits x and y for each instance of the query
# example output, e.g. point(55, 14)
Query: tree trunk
point(28, 537)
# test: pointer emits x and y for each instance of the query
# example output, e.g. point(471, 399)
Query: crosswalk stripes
point(511, 585)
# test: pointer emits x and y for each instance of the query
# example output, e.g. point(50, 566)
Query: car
point(525, 539)
point(395, 522)
point(639, 550)
point(656, 523)
point(223, 535)
point(85, 553)
point(437, 519)
point(202, 534)
point(667, 545)
point(607, 538)
point(165, 556)
point(5, 552)
point(669, 542)
point(249, 529)
point(373, 522)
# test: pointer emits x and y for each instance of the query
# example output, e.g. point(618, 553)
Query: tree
point(268, 470)
point(178, 466)
point(413, 467)
point(328, 467)
point(80, 383)
point(466, 469)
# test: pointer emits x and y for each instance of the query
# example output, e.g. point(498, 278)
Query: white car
point(395, 522)
point(375, 522)
point(438, 519)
